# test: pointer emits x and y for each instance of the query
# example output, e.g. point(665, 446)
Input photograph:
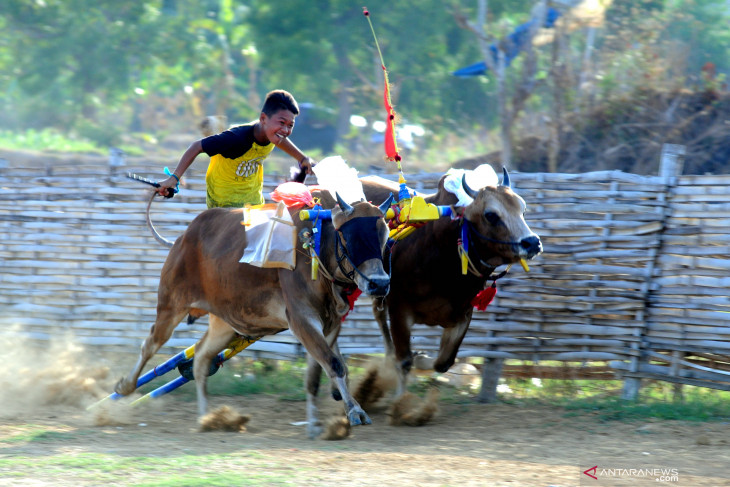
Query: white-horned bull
point(203, 272)
point(427, 285)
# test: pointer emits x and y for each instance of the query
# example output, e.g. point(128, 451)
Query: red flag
point(391, 147)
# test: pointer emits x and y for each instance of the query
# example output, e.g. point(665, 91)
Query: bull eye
point(492, 217)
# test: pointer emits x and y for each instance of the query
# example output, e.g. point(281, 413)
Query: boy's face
point(278, 126)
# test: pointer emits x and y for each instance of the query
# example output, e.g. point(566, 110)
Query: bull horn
point(472, 194)
point(505, 177)
point(386, 204)
point(344, 206)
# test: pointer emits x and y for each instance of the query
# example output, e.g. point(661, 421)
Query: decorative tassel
point(351, 298)
point(484, 297)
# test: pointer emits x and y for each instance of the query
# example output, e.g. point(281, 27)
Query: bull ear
point(472, 194)
point(505, 177)
point(343, 205)
point(386, 204)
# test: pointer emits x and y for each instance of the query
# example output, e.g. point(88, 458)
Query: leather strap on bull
point(486, 295)
point(467, 229)
point(312, 240)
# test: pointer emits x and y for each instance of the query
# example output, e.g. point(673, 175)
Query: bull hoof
point(357, 416)
point(442, 367)
point(314, 429)
point(122, 388)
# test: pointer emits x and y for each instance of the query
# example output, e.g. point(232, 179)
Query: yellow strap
point(466, 264)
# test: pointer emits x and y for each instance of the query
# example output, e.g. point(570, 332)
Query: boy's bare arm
point(186, 160)
point(305, 162)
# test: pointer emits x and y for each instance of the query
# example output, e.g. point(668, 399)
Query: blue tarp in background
point(517, 39)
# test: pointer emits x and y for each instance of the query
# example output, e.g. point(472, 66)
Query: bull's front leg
point(451, 339)
point(307, 327)
point(400, 330)
point(380, 311)
point(355, 413)
point(312, 382)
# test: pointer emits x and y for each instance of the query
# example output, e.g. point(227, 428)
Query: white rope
point(155, 233)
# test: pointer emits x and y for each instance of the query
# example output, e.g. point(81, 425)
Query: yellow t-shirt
point(235, 175)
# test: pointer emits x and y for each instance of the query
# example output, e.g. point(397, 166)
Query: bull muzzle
point(378, 287)
point(530, 246)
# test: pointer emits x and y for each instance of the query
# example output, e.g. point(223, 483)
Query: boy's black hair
point(278, 100)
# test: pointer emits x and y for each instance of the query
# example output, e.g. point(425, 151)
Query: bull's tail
point(155, 233)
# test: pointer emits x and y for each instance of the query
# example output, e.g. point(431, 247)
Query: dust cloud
point(225, 418)
point(379, 378)
point(411, 410)
point(61, 372)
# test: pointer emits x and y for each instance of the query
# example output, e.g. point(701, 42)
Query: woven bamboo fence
point(634, 271)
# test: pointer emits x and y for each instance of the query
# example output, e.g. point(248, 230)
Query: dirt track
point(467, 444)
point(48, 438)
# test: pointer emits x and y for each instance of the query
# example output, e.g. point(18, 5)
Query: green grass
point(603, 399)
point(245, 377)
point(615, 408)
point(179, 470)
point(218, 479)
point(697, 404)
point(33, 433)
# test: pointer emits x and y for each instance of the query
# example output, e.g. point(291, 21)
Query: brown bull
point(203, 272)
point(427, 285)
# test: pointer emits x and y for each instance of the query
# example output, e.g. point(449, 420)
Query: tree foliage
point(68, 57)
point(156, 66)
